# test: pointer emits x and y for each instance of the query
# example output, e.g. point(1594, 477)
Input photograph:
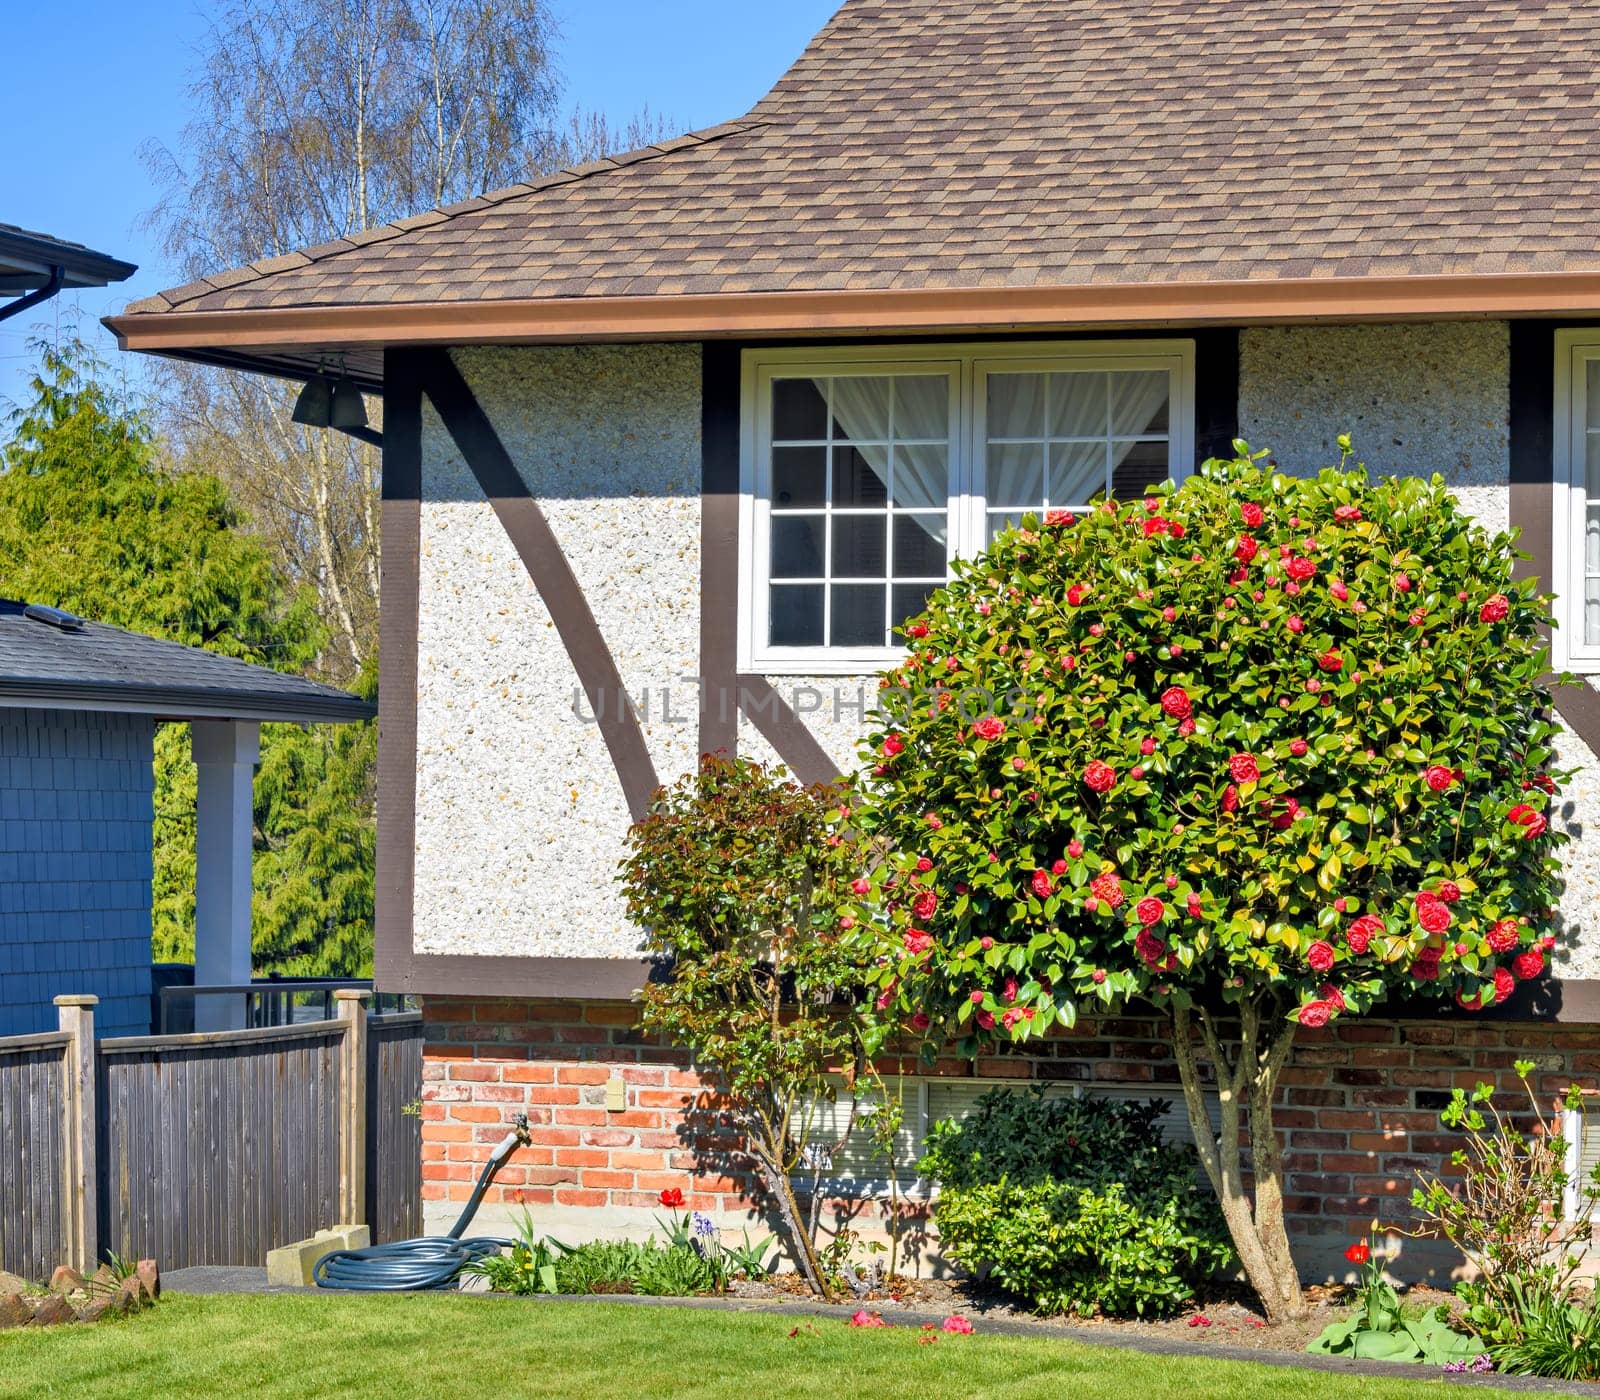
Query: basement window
point(866, 471)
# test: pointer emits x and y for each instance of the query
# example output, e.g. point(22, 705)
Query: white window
point(859, 1171)
point(1575, 641)
point(864, 472)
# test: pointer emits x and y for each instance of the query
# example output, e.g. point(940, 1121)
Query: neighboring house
point(79, 706)
point(35, 266)
point(699, 424)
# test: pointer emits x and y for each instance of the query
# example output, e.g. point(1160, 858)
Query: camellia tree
point(1258, 750)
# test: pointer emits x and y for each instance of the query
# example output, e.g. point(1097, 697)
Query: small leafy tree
point(738, 882)
point(1262, 751)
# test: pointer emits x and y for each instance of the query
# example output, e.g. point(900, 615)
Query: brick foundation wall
point(1357, 1111)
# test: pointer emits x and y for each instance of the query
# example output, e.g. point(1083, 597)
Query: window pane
point(1016, 474)
point(797, 546)
point(1593, 419)
point(796, 615)
point(798, 409)
point(1592, 467)
point(1139, 403)
point(921, 477)
point(908, 600)
point(919, 546)
point(1078, 404)
point(1591, 572)
point(858, 615)
point(799, 476)
point(860, 546)
point(922, 406)
point(1077, 472)
point(861, 476)
point(861, 407)
point(1139, 465)
point(1016, 405)
point(1002, 520)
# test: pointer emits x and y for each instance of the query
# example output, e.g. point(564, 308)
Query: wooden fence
point(210, 1148)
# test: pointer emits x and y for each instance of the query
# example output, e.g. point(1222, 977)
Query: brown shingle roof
point(1015, 143)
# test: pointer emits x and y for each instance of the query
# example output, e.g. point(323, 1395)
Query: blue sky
point(88, 83)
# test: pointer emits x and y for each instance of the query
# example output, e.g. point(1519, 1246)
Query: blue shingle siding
point(76, 811)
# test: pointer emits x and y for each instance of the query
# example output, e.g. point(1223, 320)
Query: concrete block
point(291, 1265)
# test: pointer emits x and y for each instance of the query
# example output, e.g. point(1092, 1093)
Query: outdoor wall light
point(314, 407)
point(348, 411)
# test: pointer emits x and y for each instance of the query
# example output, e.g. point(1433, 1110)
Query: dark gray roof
point(26, 259)
point(95, 667)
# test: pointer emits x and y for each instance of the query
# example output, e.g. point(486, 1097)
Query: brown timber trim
point(525, 523)
point(894, 310)
point(719, 547)
point(1531, 430)
point(400, 547)
point(778, 724)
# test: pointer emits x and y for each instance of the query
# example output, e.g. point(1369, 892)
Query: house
point(673, 440)
point(35, 266)
point(79, 707)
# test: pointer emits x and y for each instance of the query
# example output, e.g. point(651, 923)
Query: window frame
point(1569, 651)
point(967, 364)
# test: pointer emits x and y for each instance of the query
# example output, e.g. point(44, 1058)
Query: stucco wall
point(519, 812)
point(75, 867)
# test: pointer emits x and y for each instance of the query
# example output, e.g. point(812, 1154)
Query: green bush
point(1075, 1204)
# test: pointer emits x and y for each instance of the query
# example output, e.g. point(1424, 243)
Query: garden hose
point(432, 1262)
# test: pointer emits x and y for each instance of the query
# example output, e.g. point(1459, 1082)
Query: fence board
point(394, 1134)
point(213, 1150)
point(34, 1221)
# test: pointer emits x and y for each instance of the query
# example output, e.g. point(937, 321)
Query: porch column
point(225, 752)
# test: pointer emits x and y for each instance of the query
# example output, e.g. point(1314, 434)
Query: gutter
point(178, 704)
point(53, 284)
point(265, 331)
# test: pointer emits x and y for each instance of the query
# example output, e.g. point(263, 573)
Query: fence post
point(75, 1015)
point(352, 1010)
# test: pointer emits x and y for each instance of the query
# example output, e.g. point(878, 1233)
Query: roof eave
point(81, 267)
point(179, 703)
point(274, 338)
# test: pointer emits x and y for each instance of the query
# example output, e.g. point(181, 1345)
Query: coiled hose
point(432, 1262)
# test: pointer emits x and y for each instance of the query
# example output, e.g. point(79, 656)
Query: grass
point(366, 1348)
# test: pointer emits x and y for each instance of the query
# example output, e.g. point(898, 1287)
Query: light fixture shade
point(315, 404)
point(348, 411)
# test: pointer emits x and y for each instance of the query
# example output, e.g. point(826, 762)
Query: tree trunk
point(805, 1255)
point(1246, 1080)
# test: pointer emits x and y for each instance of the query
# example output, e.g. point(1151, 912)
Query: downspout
point(58, 276)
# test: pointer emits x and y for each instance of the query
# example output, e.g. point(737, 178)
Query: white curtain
point(861, 408)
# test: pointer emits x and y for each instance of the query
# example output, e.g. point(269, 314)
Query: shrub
point(1505, 1211)
point(1075, 1204)
point(1261, 750)
point(738, 880)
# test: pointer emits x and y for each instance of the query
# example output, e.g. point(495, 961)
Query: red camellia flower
point(672, 1198)
point(1331, 661)
point(1059, 868)
point(1332, 995)
point(1320, 956)
point(1247, 549)
point(1300, 568)
point(1346, 515)
point(1074, 849)
point(918, 630)
point(1426, 967)
point(1041, 883)
point(985, 1019)
point(1230, 798)
point(1315, 1013)
point(1505, 936)
point(1528, 965)
point(1339, 589)
point(1076, 595)
point(1156, 526)
point(1495, 609)
point(956, 1324)
point(924, 864)
point(924, 904)
point(1059, 517)
point(1243, 769)
point(977, 998)
point(1296, 624)
point(1358, 1253)
point(861, 885)
point(1432, 914)
point(1504, 984)
point(892, 745)
point(1439, 777)
point(1450, 892)
point(1363, 931)
point(1175, 702)
point(1150, 911)
point(918, 941)
point(990, 727)
point(921, 1021)
point(1251, 514)
point(1298, 747)
point(1192, 904)
point(1100, 777)
point(1108, 886)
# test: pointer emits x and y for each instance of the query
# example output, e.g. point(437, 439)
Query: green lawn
point(299, 1346)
